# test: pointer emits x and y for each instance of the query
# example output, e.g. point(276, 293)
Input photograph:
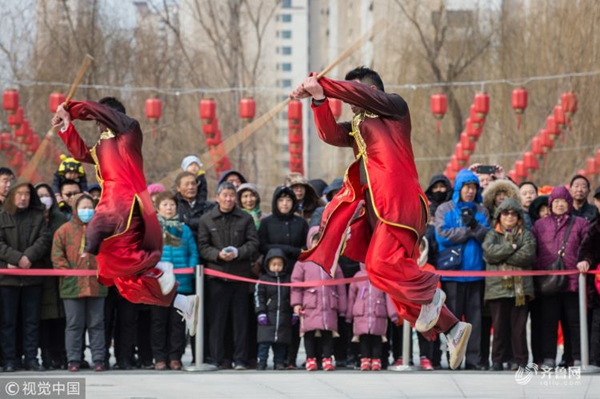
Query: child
point(318, 308)
point(369, 309)
point(192, 164)
point(83, 297)
point(273, 310)
point(69, 169)
point(180, 249)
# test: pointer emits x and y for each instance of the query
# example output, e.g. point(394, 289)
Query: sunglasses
point(69, 195)
point(510, 213)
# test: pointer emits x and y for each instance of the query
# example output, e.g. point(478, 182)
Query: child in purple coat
point(369, 309)
point(318, 308)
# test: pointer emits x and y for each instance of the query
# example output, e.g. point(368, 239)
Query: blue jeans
point(28, 299)
point(278, 352)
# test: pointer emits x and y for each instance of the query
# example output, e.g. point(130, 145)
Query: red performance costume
point(385, 234)
point(124, 233)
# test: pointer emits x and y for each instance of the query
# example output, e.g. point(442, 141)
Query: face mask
point(438, 196)
point(47, 201)
point(85, 215)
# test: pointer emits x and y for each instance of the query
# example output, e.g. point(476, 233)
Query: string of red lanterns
point(295, 137)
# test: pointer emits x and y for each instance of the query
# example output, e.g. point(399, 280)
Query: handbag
point(555, 284)
point(450, 258)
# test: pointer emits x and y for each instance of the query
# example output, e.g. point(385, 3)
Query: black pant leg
point(327, 343)
point(310, 344)
point(570, 310)
point(536, 338)
point(110, 315)
point(177, 337)
point(127, 316)
point(376, 347)
point(365, 346)
point(550, 314)
point(501, 321)
point(239, 313)
point(472, 312)
point(220, 299)
point(518, 325)
point(31, 304)
point(158, 332)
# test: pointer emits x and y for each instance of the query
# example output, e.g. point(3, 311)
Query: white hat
point(190, 159)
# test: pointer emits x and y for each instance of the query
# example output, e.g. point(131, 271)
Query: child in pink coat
point(369, 309)
point(318, 308)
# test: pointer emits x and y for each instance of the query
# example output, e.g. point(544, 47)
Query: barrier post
point(586, 368)
point(199, 338)
point(406, 352)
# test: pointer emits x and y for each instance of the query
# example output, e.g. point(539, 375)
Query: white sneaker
point(430, 313)
point(191, 315)
point(458, 338)
point(167, 279)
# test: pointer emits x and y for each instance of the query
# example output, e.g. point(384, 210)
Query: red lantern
point(55, 100)
point(582, 172)
point(153, 109)
point(247, 108)
point(591, 167)
point(559, 116)
point(519, 103)
point(439, 106)
point(468, 146)
point(530, 161)
point(537, 147)
point(520, 169)
point(208, 109)
point(482, 104)
point(462, 157)
point(475, 119)
point(295, 110)
point(10, 100)
point(17, 160)
point(546, 139)
point(568, 101)
point(454, 163)
point(336, 107)
point(472, 131)
point(16, 119)
point(5, 138)
point(34, 145)
point(450, 174)
point(552, 127)
point(513, 176)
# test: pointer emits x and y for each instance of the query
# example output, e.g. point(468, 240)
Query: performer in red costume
point(124, 233)
point(381, 212)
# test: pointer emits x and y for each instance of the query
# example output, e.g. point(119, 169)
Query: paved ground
point(330, 385)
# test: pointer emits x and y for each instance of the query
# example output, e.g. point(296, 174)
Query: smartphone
point(486, 169)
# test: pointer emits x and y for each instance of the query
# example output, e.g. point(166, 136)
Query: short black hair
point(225, 186)
point(113, 103)
point(367, 76)
point(68, 183)
point(4, 171)
point(530, 183)
point(581, 177)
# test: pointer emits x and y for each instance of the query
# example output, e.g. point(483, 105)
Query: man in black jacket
point(190, 202)
point(580, 190)
point(24, 241)
point(227, 241)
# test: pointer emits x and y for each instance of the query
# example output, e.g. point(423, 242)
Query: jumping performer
point(381, 212)
point(124, 234)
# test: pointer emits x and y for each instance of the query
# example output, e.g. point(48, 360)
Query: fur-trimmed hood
point(510, 188)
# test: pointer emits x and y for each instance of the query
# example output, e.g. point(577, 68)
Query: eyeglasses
point(510, 213)
point(69, 195)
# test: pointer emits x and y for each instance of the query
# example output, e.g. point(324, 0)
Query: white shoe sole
point(458, 354)
point(423, 326)
point(193, 325)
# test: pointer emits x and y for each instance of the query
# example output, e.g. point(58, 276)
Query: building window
point(286, 4)
point(286, 18)
point(286, 67)
point(285, 83)
point(286, 50)
point(286, 34)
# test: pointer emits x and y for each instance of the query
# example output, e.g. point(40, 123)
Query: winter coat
point(321, 305)
point(274, 301)
point(499, 254)
point(189, 214)
point(23, 232)
point(217, 231)
point(67, 248)
point(588, 212)
point(52, 306)
point(451, 231)
point(369, 308)
point(284, 231)
point(550, 232)
point(589, 252)
point(181, 256)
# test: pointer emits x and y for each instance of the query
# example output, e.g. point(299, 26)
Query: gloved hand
point(295, 319)
point(263, 320)
point(468, 217)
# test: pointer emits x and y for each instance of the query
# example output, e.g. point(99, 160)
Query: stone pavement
point(329, 385)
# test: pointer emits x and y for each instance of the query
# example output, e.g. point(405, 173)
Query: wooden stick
point(243, 134)
point(87, 61)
